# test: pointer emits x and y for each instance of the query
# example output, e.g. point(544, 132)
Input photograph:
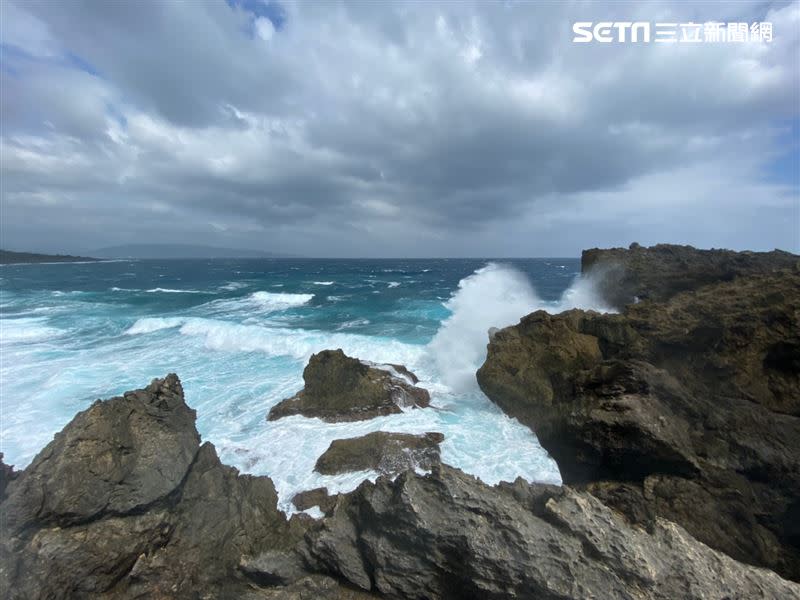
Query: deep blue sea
point(239, 332)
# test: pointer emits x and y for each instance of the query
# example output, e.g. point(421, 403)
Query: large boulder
point(381, 451)
point(628, 275)
point(125, 503)
point(447, 535)
point(116, 457)
point(341, 388)
point(686, 409)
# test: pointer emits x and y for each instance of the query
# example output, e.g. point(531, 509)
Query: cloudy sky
point(409, 129)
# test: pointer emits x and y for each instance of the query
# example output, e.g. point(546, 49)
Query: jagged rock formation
point(686, 409)
point(381, 451)
point(676, 423)
point(126, 503)
point(625, 276)
point(447, 535)
point(341, 388)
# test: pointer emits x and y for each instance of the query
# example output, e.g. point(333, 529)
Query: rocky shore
point(684, 407)
point(675, 423)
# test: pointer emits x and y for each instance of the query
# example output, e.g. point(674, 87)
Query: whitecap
point(174, 291)
point(26, 330)
point(151, 324)
point(280, 301)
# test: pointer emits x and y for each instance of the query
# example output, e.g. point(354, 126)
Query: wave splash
point(496, 295)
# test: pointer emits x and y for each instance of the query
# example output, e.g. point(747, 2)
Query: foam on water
point(159, 290)
point(151, 324)
point(280, 301)
point(239, 355)
point(26, 330)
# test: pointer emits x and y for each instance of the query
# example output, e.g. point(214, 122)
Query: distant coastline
point(139, 252)
point(8, 257)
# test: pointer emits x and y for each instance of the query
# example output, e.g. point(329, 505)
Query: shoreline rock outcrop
point(340, 388)
point(676, 425)
point(686, 409)
point(448, 535)
point(625, 276)
point(126, 503)
point(381, 451)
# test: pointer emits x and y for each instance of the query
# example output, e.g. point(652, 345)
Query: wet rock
point(447, 535)
point(403, 370)
point(625, 276)
point(381, 451)
point(341, 388)
point(685, 409)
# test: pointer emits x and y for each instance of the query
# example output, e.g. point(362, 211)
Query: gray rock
point(318, 497)
point(115, 457)
point(341, 388)
point(447, 535)
point(124, 503)
point(381, 451)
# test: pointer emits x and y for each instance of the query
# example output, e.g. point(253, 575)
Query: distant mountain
point(7, 257)
point(180, 251)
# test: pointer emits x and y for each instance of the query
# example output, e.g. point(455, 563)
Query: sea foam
point(238, 356)
point(496, 295)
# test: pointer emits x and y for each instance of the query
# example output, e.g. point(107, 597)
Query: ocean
point(239, 332)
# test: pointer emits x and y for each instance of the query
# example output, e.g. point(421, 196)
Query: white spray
point(493, 296)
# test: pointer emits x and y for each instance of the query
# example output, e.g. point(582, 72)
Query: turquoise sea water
point(239, 332)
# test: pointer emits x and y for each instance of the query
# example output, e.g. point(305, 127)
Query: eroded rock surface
point(341, 388)
point(686, 409)
point(627, 275)
point(381, 451)
point(125, 503)
point(447, 535)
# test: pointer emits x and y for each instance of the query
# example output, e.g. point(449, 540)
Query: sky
point(378, 129)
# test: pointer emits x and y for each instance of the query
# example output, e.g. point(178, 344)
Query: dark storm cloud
point(411, 128)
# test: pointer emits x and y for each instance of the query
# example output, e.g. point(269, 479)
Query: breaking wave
point(280, 301)
point(276, 341)
point(494, 296)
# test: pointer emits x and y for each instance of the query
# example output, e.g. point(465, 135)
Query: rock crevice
point(685, 408)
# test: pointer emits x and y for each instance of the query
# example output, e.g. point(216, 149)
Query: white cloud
point(417, 128)
point(264, 28)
